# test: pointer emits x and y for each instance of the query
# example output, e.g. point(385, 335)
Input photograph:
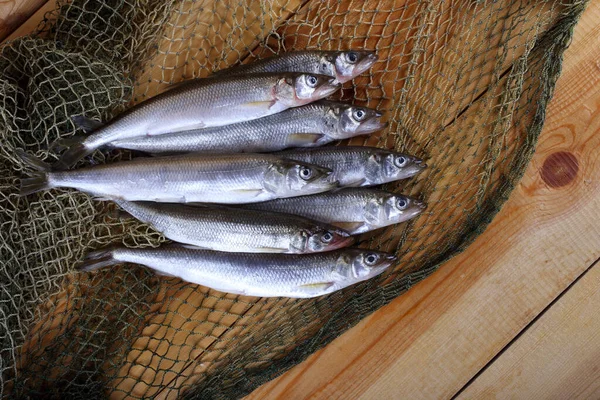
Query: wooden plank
point(431, 341)
point(557, 357)
point(13, 13)
point(33, 21)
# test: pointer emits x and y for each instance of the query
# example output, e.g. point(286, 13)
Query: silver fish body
point(307, 126)
point(230, 179)
point(202, 103)
point(238, 230)
point(356, 210)
point(360, 166)
point(252, 274)
point(342, 65)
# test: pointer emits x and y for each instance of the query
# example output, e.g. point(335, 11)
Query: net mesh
point(464, 84)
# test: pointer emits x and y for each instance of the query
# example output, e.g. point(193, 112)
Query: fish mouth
point(421, 205)
point(372, 125)
point(326, 89)
point(366, 63)
point(391, 258)
point(342, 241)
point(420, 164)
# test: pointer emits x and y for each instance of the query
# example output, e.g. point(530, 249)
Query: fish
point(341, 65)
point(356, 210)
point(253, 274)
point(238, 230)
point(226, 178)
point(360, 166)
point(200, 103)
point(307, 126)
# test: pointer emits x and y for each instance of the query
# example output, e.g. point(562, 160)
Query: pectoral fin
point(248, 192)
point(260, 105)
point(271, 250)
point(356, 183)
point(348, 226)
point(300, 139)
point(315, 289)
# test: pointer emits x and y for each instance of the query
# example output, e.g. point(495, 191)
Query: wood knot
point(559, 169)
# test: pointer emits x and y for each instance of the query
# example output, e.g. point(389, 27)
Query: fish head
point(388, 166)
point(349, 64)
point(363, 264)
point(356, 120)
point(287, 178)
point(327, 239)
point(300, 89)
point(399, 208)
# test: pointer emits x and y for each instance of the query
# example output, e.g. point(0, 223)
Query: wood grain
point(13, 13)
point(557, 357)
point(33, 21)
point(431, 341)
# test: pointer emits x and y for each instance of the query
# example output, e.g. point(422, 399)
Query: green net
point(464, 84)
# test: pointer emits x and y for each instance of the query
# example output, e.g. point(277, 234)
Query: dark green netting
point(464, 84)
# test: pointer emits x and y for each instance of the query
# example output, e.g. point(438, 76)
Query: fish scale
point(236, 230)
point(356, 210)
point(268, 275)
point(202, 103)
point(235, 178)
point(270, 133)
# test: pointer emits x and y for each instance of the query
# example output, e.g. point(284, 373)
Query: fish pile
point(248, 216)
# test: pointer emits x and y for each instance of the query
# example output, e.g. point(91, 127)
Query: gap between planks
point(526, 329)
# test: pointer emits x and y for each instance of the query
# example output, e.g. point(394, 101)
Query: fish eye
point(371, 259)
point(306, 173)
point(327, 237)
point(401, 161)
point(402, 204)
point(312, 81)
point(351, 57)
point(359, 114)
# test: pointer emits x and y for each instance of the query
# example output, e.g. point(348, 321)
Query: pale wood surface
point(432, 341)
point(557, 357)
point(13, 13)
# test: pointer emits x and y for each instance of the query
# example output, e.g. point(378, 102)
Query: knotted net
point(464, 84)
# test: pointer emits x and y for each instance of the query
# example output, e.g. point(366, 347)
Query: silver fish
point(356, 210)
point(238, 230)
point(202, 103)
point(235, 178)
point(360, 166)
point(341, 65)
point(307, 126)
point(252, 274)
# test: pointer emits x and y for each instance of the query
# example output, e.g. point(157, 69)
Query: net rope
point(463, 83)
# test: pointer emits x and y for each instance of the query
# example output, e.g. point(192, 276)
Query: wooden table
point(514, 316)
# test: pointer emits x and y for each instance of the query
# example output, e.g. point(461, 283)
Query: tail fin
point(75, 153)
point(37, 182)
point(76, 150)
point(38, 179)
point(33, 161)
point(64, 143)
point(87, 124)
point(97, 259)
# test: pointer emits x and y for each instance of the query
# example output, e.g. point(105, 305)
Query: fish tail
point(98, 259)
point(64, 143)
point(73, 154)
point(37, 180)
point(32, 161)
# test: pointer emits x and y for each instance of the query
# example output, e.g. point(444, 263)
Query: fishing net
point(464, 84)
